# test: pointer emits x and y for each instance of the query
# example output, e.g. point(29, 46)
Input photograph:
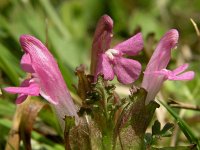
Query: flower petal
point(126, 70)
point(132, 46)
point(170, 75)
point(26, 63)
point(178, 75)
point(21, 98)
point(104, 67)
point(27, 87)
point(180, 69)
point(189, 75)
point(101, 41)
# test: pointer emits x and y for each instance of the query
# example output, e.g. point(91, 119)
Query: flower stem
point(107, 139)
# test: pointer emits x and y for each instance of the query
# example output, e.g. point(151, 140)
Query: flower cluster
point(46, 78)
point(109, 61)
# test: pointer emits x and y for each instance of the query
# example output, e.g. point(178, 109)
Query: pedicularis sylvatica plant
point(103, 120)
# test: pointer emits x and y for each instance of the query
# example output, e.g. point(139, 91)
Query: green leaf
point(165, 132)
point(156, 128)
point(167, 127)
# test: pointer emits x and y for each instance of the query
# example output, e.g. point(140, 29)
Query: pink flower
point(46, 78)
point(156, 72)
point(110, 61)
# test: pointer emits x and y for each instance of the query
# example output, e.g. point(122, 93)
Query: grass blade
point(183, 126)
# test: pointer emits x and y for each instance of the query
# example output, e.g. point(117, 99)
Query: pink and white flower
point(156, 72)
point(111, 61)
point(46, 78)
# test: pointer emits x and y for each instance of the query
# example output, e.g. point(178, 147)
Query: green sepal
point(69, 124)
point(142, 114)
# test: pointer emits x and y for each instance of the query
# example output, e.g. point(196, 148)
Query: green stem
point(107, 139)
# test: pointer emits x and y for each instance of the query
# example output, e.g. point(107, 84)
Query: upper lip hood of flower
point(101, 40)
point(105, 24)
point(170, 40)
point(162, 53)
point(44, 66)
point(46, 78)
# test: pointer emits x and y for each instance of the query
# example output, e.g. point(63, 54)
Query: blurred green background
point(70, 25)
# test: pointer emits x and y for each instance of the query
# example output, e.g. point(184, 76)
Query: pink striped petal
point(104, 68)
point(132, 46)
point(126, 70)
point(45, 67)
